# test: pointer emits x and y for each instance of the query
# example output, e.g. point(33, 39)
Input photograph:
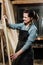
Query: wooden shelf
point(40, 46)
point(27, 1)
point(39, 38)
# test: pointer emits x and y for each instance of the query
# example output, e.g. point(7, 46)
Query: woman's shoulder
point(33, 27)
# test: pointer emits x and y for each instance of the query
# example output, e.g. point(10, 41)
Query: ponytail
point(35, 17)
point(33, 14)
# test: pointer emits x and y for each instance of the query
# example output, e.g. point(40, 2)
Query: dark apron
point(26, 58)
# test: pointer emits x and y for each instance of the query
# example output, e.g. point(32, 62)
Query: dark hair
point(31, 13)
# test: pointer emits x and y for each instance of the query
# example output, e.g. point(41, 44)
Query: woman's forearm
point(19, 52)
point(15, 26)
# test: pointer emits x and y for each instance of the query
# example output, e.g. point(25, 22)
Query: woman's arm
point(15, 26)
point(31, 38)
point(12, 26)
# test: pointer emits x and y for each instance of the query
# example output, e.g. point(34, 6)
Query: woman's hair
point(31, 13)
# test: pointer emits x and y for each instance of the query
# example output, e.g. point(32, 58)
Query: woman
point(24, 53)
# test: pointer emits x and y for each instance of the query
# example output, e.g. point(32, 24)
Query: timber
point(27, 1)
point(2, 48)
point(12, 34)
point(5, 32)
point(0, 1)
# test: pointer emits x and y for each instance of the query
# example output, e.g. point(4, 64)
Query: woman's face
point(26, 18)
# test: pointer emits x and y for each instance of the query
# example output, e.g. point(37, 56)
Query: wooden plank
point(12, 34)
point(2, 48)
point(27, 1)
point(5, 32)
point(7, 43)
point(0, 1)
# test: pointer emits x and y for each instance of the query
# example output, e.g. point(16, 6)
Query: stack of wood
point(8, 37)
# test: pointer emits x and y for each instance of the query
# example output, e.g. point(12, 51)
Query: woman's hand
point(6, 19)
point(4, 16)
point(16, 54)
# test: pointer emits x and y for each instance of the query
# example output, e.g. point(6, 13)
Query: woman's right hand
point(6, 19)
point(4, 16)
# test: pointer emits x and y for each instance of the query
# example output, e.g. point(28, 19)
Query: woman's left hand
point(14, 56)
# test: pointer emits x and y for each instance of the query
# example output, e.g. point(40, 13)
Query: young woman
point(24, 53)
